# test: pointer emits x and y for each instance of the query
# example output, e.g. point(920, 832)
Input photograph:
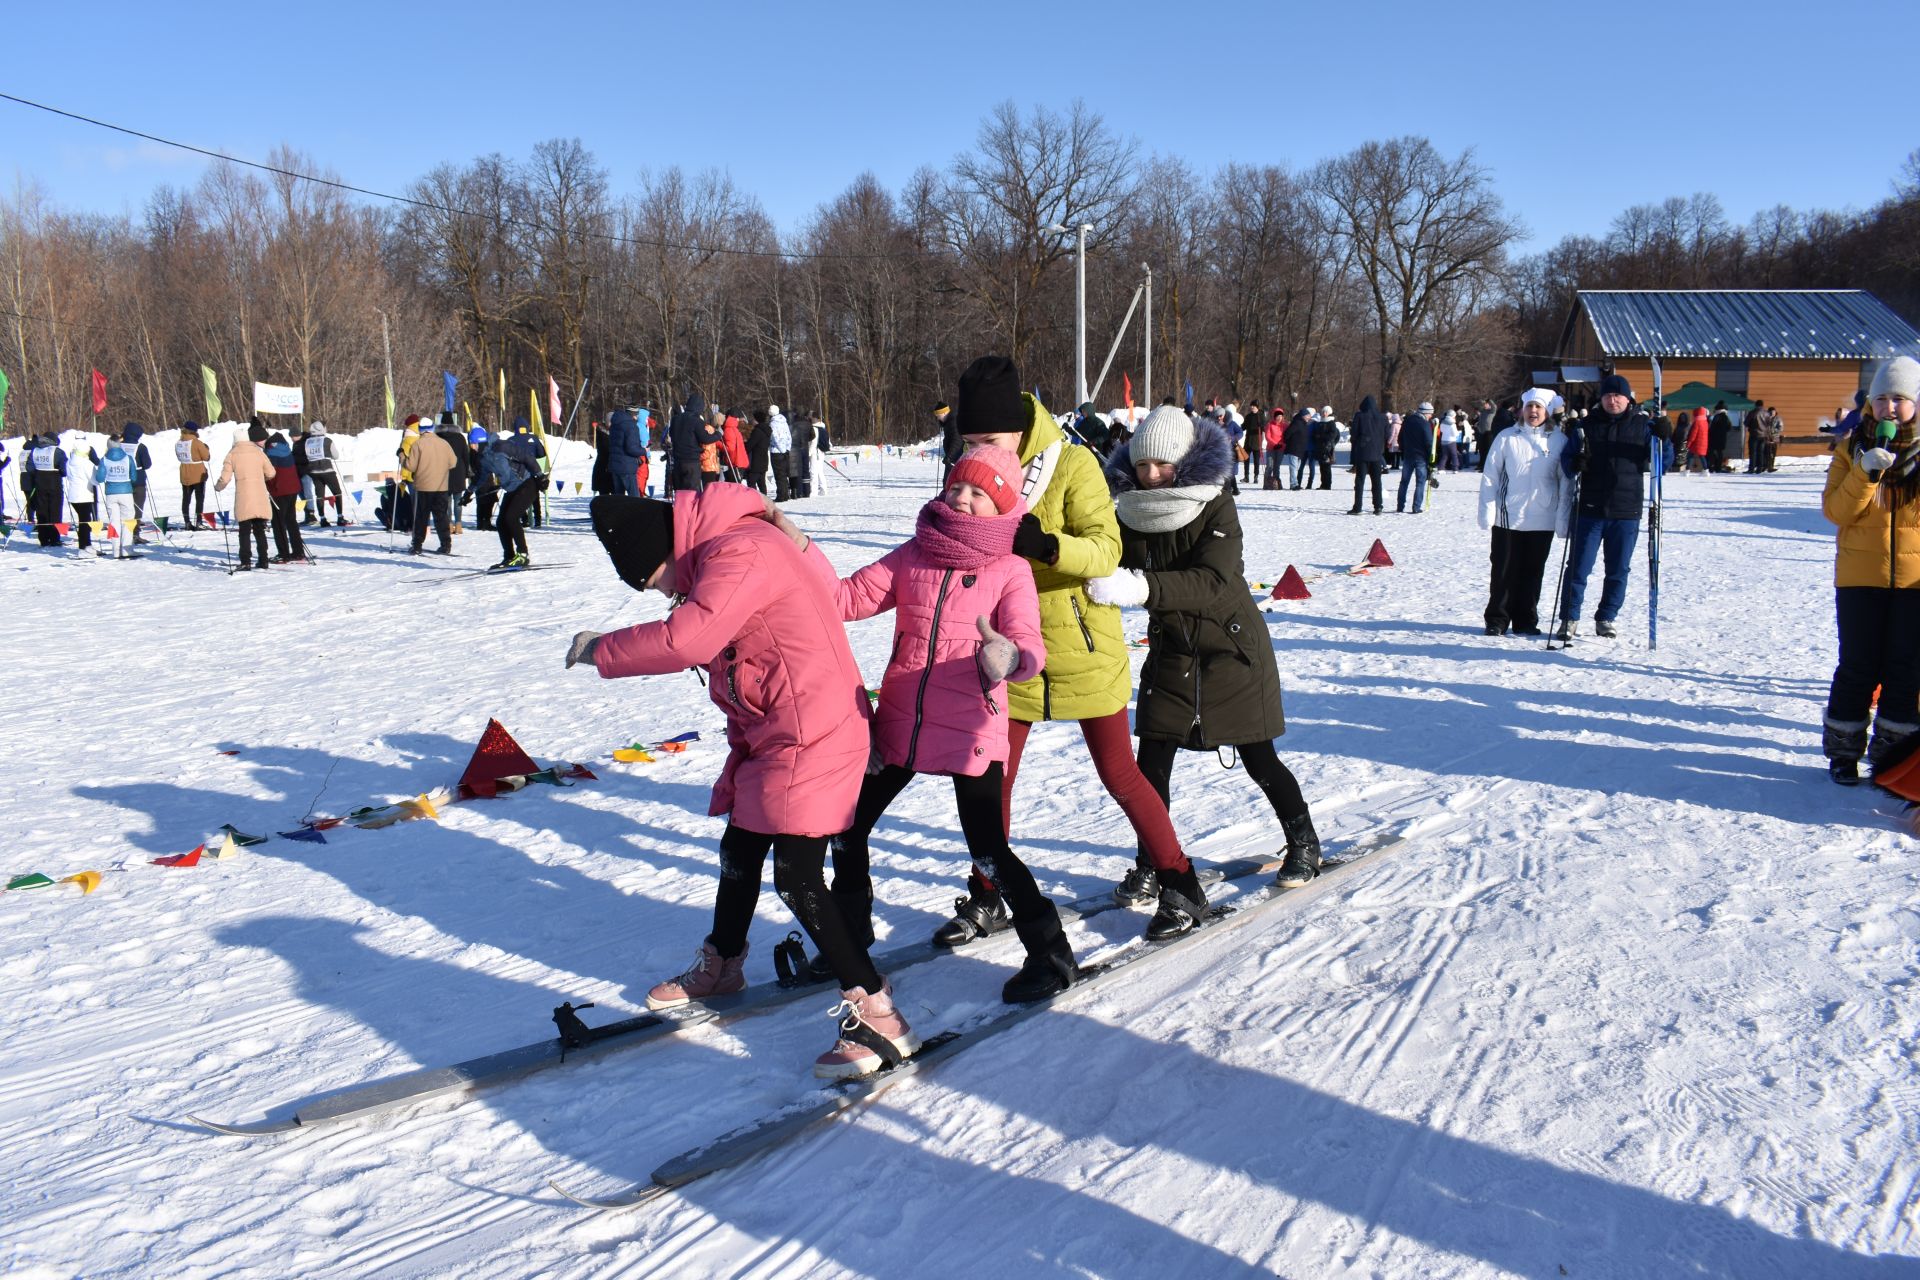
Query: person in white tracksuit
point(1524, 499)
point(81, 464)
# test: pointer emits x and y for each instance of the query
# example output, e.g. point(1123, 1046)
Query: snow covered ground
point(1638, 1001)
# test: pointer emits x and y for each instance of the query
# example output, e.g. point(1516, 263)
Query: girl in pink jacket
point(768, 633)
point(966, 621)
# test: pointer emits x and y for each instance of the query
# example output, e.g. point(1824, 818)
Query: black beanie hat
point(447, 418)
point(257, 433)
point(637, 533)
point(990, 398)
point(1616, 385)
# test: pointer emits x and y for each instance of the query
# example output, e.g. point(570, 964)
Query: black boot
point(1303, 853)
point(1140, 886)
point(1844, 743)
point(980, 913)
point(1183, 906)
point(1049, 969)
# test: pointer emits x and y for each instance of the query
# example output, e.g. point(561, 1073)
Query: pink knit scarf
point(954, 540)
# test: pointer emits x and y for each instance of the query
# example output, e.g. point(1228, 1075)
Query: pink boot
point(711, 974)
point(865, 1020)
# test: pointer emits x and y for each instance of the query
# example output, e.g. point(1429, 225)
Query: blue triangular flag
point(307, 834)
point(226, 517)
point(359, 494)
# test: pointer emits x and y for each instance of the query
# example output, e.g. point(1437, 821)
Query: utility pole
point(1147, 339)
point(1079, 308)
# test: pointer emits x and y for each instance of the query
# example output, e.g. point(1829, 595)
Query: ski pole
point(1653, 552)
point(1560, 588)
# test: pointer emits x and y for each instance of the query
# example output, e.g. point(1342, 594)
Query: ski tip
point(638, 1196)
point(246, 1130)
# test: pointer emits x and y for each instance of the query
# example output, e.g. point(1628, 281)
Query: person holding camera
point(1873, 497)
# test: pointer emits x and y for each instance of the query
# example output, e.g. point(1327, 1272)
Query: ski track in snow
point(1635, 1000)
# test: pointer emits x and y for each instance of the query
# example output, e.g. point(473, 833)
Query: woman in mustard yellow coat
point(1873, 495)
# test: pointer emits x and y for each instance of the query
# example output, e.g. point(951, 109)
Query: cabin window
point(1731, 375)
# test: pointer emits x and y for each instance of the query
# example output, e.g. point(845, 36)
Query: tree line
point(1387, 270)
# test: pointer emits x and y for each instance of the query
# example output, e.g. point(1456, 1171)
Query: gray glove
point(581, 650)
point(997, 656)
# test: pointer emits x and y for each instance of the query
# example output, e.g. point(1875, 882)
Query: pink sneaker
point(865, 1020)
point(710, 974)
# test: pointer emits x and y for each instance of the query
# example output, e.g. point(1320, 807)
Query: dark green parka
point(1210, 678)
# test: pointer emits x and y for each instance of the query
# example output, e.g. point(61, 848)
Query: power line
point(336, 184)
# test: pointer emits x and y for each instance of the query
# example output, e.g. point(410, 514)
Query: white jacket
point(79, 482)
point(1523, 486)
point(779, 434)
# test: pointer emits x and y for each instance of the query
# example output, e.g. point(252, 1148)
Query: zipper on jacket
point(1082, 620)
point(1194, 649)
point(920, 697)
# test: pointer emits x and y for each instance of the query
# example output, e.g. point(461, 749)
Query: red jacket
point(734, 443)
point(1697, 434)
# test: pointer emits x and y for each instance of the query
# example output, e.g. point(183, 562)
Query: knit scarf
point(1163, 510)
point(954, 540)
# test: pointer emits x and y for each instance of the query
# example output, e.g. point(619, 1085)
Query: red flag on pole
point(99, 392)
point(1127, 383)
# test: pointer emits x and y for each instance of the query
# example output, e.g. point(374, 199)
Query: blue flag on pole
point(1189, 395)
point(451, 382)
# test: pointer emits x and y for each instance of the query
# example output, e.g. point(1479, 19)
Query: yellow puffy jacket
point(1878, 547)
point(1087, 673)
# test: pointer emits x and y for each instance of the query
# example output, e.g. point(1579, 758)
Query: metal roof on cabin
point(1744, 324)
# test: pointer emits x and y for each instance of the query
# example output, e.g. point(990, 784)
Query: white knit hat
point(1326, 411)
point(1165, 436)
point(1899, 376)
point(1426, 407)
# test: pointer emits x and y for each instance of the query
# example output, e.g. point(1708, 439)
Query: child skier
point(764, 626)
point(117, 473)
point(966, 620)
point(1070, 536)
point(1873, 495)
point(1210, 679)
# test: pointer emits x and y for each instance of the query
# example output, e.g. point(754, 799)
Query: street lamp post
point(1079, 308)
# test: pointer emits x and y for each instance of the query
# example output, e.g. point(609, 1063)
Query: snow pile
point(1636, 1001)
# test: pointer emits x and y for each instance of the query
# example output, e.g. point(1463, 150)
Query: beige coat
point(431, 461)
point(248, 470)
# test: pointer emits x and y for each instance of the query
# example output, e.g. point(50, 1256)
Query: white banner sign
point(268, 398)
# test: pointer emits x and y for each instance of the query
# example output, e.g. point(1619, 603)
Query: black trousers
point(438, 507)
point(257, 530)
point(782, 478)
point(1361, 470)
point(510, 524)
point(1326, 472)
point(1264, 766)
point(323, 481)
point(46, 509)
point(139, 506)
point(193, 501)
point(994, 861)
point(1879, 645)
point(1519, 563)
point(286, 530)
point(799, 878)
point(82, 517)
point(483, 503)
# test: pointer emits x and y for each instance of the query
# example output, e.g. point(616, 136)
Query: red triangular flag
point(182, 859)
point(212, 521)
point(1377, 556)
point(63, 528)
point(1291, 586)
point(498, 756)
point(111, 533)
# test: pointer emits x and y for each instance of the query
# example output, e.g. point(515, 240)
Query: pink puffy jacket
point(936, 714)
point(777, 662)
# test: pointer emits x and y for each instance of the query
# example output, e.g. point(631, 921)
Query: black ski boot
point(1303, 853)
point(1049, 969)
point(1603, 628)
point(1183, 906)
point(1140, 886)
point(981, 913)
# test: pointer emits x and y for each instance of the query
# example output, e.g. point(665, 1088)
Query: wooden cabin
point(1804, 352)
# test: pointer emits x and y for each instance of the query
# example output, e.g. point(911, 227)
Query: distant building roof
point(1744, 324)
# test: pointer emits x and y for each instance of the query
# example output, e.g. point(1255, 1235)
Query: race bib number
point(316, 450)
point(43, 459)
point(183, 451)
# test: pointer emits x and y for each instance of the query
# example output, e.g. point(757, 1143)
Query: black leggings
point(799, 878)
point(323, 483)
point(1263, 766)
point(510, 523)
point(978, 799)
point(286, 529)
point(193, 501)
point(1879, 645)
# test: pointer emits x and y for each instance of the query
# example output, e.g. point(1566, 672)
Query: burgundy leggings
point(1110, 743)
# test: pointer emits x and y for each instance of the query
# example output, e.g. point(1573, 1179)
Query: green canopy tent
point(1698, 395)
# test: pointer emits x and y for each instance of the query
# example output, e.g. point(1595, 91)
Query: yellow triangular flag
point(96, 526)
point(425, 807)
point(87, 880)
point(228, 849)
point(632, 755)
point(578, 485)
point(299, 506)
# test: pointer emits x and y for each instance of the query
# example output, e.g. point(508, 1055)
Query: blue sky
point(1577, 110)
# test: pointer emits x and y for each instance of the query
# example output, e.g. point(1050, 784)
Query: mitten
point(997, 656)
point(1033, 542)
point(1121, 587)
point(1874, 462)
point(581, 650)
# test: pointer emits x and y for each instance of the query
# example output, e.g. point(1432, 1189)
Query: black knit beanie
point(637, 533)
point(990, 398)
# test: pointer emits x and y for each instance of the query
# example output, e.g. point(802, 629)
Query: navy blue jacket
point(1367, 434)
point(1416, 437)
point(623, 442)
point(1610, 455)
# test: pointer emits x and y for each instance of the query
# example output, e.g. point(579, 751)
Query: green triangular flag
point(33, 880)
point(240, 837)
point(162, 522)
